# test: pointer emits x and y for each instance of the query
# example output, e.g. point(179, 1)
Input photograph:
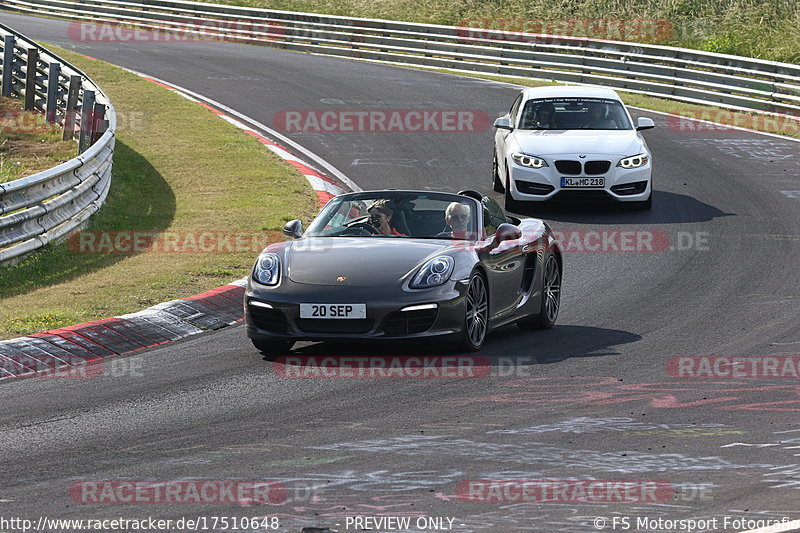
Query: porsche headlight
point(433, 273)
point(267, 269)
point(526, 160)
point(634, 161)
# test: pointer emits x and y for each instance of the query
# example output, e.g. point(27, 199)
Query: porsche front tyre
point(476, 311)
point(272, 347)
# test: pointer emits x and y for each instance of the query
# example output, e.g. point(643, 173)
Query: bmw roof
point(557, 91)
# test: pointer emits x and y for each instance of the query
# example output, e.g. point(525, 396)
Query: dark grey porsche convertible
point(402, 265)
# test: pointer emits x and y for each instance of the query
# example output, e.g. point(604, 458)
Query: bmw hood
point(361, 261)
point(558, 142)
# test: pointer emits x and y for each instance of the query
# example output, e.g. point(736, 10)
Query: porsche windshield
point(574, 113)
point(397, 215)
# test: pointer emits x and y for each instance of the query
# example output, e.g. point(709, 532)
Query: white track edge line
point(305, 151)
point(777, 528)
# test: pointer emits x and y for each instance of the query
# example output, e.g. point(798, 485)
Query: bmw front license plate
point(583, 182)
point(333, 310)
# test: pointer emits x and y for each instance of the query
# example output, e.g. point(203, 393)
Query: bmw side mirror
point(644, 123)
point(293, 229)
point(503, 123)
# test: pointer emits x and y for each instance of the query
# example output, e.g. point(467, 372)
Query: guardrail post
point(51, 102)
point(30, 78)
point(8, 65)
point(98, 122)
point(72, 105)
point(87, 110)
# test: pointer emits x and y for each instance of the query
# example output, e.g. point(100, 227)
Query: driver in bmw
point(380, 216)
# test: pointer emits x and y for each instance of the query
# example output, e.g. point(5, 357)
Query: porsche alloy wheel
point(476, 321)
point(552, 290)
point(551, 297)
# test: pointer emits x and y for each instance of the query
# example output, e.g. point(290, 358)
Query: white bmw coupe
point(571, 142)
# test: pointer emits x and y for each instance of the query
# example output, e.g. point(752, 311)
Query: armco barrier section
point(46, 206)
point(687, 75)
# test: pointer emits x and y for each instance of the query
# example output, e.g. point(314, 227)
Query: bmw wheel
point(497, 184)
point(476, 321)
point(551, 297)
point(647, 204)
point(511, 204)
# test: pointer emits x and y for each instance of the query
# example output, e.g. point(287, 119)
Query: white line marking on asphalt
point(791, 194)
point(305, 151)
point(283, 154)
point(322, 185)
point(749, 445)
point(777, 528)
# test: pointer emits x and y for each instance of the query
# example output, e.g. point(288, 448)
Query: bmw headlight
point(634, 161)
point(530, 161)
point(433, 273)
point(267, 269)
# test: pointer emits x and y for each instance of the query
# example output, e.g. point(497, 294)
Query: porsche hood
point(359, 261)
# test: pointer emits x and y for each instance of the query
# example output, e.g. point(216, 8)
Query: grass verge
point(179, 172)
point(765, 29)
point(28, 144)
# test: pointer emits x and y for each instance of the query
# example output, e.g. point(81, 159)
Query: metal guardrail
point(686, 75)
point(48, 205)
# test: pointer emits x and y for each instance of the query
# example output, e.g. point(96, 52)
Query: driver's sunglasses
point(460, 217)
point(375, 217)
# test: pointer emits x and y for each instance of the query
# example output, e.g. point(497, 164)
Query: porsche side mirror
point(293, 229)
point(503, 123)
point(644, 123)
point(507, 232)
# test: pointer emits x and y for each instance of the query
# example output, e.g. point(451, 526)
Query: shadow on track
point(139, 199)
point(668, 208)
point(502, 347)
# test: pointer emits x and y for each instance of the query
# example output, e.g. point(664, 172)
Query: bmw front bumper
point(542, 184)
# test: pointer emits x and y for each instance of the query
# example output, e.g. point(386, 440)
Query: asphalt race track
point(594, 398)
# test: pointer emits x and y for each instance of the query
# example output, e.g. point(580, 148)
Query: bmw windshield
point(570, 113)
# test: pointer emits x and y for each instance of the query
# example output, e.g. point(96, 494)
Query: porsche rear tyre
point(476, 320)
point(551, 297)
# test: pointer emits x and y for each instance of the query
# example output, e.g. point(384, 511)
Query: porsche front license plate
point(583, 182)
point(333, 310)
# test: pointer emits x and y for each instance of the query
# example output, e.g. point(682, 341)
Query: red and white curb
point(51, 351)
point(325, 187)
